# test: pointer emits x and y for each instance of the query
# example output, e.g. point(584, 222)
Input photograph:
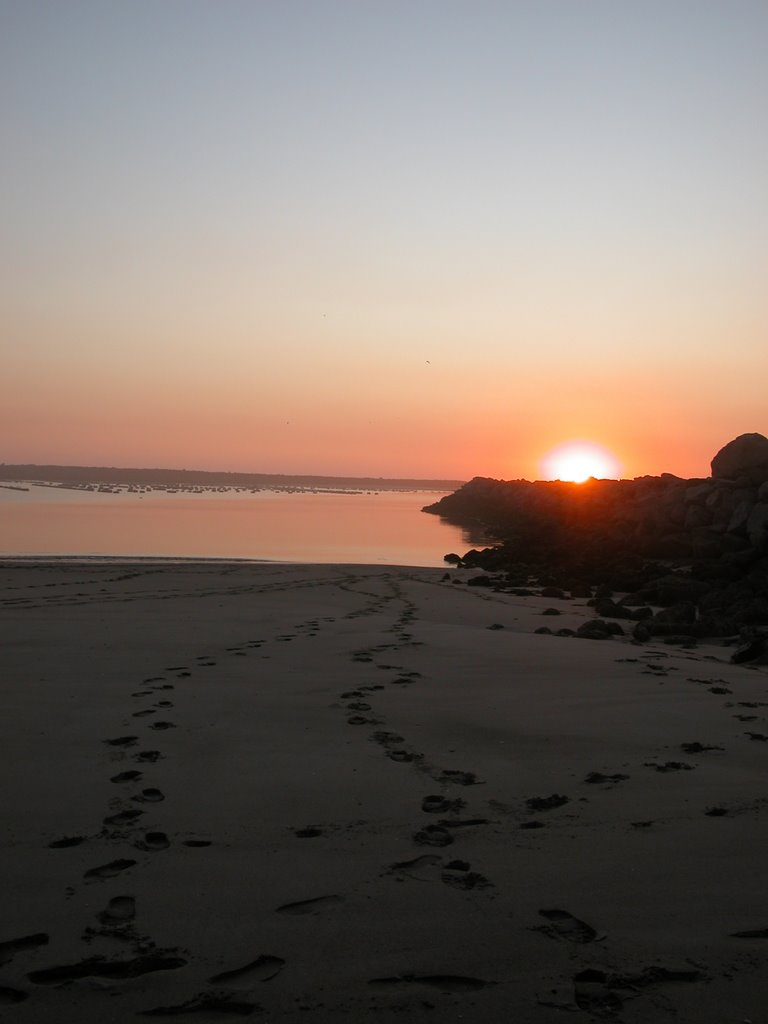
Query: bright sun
point(577, 461)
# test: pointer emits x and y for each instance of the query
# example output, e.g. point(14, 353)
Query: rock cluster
point(696, 550)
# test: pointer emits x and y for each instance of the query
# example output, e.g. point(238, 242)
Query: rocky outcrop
point(697, 548)
point(723, 516)
point(656, 517)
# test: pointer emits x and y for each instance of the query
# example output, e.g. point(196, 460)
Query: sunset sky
point(387, 237)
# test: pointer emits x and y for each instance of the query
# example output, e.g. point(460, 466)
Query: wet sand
point(327, 793)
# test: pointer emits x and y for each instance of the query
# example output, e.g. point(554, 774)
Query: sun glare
point(577, 461)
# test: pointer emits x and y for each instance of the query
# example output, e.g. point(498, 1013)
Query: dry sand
point(227, 790)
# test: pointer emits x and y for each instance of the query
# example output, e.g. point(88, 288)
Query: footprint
point(205, 1004)
point(669, 766)
point(421, 868)
point(123, 817)
point(433, 835)
point(126, 777)
point(144, 713)
point(119, 910)
point(150, 796)
point(165, 704)
point(196, 842)
point(597, 778)
point(122, 741)
point(592, 992)
point(115, 867)
point(310, 906)
point(404, 756)
point(153, 841)
point(9, 996)
point(463, 822)
point(757, 933)
point(148, 756)
point(603, 994)
point(444, 982)
point(67, 841)
point(100, 968)
point(459, 778)
point(565, 926)
point(385, 738)
point(439, 805)
point(11, 947)
point(698, 748)
point(162, 725)
point(262, 969)
point(460, 878)
point(308, 833)
point(546, 803)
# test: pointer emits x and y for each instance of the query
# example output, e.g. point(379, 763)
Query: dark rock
point(553, 592)
point(753, 648)
point(608, 609)
point(640, 614)
point(551, 611)
point(746, 457)
point(480, 581)
point(671, 589)
point(452, 559)
point(757, 526)
point(598, 629)
point(682, 613)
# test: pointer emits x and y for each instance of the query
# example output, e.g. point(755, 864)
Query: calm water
point(387, 527)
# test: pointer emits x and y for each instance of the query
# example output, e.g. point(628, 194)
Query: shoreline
point(314, 792)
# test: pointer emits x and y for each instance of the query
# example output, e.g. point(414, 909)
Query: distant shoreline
point(83, 475)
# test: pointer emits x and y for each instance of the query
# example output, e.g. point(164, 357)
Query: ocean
point(385, 527)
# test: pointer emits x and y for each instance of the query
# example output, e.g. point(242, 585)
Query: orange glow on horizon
point(578, 461)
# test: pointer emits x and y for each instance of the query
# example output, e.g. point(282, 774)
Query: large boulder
point(744, 457)
point(757, 526)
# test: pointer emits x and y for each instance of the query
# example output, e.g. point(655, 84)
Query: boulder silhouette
point(744, 457)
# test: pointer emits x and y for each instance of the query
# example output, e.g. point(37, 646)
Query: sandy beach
point(346, 793)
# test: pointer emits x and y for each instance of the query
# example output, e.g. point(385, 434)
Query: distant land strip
point(205, 478)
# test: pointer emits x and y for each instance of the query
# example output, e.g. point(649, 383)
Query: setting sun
point(577, 461)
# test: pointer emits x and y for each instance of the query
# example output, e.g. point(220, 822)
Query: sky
point(382, 237)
